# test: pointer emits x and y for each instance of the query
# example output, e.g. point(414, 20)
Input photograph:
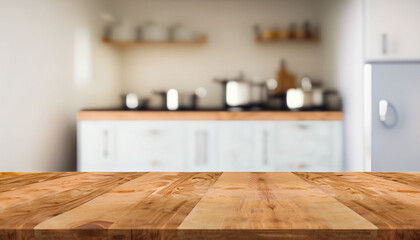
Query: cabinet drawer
point(151, 146)
point(236, 146)
point(308, 146)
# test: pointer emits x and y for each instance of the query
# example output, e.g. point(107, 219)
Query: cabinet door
point(96, 146)
point(391, 31)
point(201, 146)
point(308, 146)
point(151, 146)
point(236, 146)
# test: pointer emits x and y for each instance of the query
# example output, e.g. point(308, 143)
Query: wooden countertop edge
point(209, 116)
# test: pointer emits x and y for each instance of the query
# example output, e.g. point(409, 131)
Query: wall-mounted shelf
point(314, 39)
point(200, 40)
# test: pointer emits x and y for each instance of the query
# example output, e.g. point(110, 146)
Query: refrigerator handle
point(383, 108)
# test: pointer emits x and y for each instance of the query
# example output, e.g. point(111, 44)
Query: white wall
point(343, 61)
point(41, 89)
point(231, 46)
point(337, 60)
point(40, 92)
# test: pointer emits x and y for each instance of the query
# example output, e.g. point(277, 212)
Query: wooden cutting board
point(210, 206)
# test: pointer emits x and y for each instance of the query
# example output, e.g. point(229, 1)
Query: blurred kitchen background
point(58, 57)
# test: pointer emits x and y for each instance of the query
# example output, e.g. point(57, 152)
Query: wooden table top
point(210, 206)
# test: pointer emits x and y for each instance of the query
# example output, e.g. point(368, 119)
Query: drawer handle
point(154, 132)
point(106, 143)
point(299, 166)
point(385, 44)
point(201, 145)
point(265, 147)
point(302, 126)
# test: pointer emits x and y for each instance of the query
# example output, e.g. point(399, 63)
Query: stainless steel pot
point(130, 101)
point(171, 99)
point(174, 100)
point(236, 92)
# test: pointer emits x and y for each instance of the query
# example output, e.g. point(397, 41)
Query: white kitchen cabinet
point(308, 146)
point(151, 146)
point(210, 146)
point(96, 146)
point(390, 31)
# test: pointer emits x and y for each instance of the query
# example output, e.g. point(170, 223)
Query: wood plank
point(18, 181)
point(210, 115)
point(163, 211)
point(264, 202)
point(11, 174)
point(20, 219)
point(412, 180)
point(392, 206)
point(414, 173)
point(42, 189)
point(102, 212)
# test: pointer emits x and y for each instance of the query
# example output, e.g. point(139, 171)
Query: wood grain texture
point(105, 210)
point(20, 180)
point(393, 207)
point(42, 189)
point(170, 205)
point(11, 174)
point(210, 115)
point(265, 201)
point(411, 179)
point(26, 216)
point(167, 208)
point(153, 201)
